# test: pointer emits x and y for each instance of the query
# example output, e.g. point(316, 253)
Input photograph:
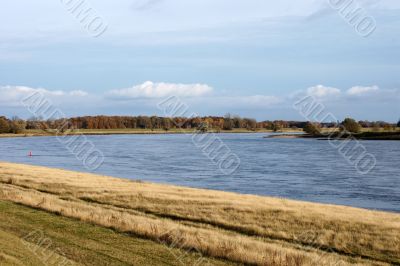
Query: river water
point(302, 169)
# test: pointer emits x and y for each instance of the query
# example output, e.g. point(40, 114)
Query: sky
point(252, 58)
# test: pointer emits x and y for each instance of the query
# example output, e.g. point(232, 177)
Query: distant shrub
point(312, 128)
point(376, 127)
point(389, 127)
point(351, 125)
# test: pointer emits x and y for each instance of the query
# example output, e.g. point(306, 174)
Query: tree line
point(147, 122)
point(228, 122)
point(14, 125)
point(352, 126)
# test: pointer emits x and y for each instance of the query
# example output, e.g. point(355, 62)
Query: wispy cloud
point(13, 95)
point(366, 93)
point(360, 90)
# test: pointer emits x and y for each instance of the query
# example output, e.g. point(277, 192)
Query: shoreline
point(179, 187)
point(387, 136)
point(250, 225)
point(135, 132)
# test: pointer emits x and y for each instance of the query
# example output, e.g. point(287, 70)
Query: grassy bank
point(366, 135)
point(23, 231)
point(236, 228)
point(370, 135)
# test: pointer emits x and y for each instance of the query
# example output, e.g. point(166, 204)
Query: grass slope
point(81, 243)
point(239, 228)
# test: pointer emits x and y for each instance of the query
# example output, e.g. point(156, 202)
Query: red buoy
point(30, 154)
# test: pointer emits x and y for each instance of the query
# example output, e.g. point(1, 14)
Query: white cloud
point(360, 90)
point(331, 94)
point(13, 95)
point(321, 91)
point(160, 90)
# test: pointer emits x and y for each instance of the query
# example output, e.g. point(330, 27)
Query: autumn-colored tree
point(17, 125)
point(166, 123)
point(249, 123)
point(228, 122)
point(4, 125)
point(237, 122)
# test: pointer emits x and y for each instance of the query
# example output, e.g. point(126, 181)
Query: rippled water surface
point(303, 169)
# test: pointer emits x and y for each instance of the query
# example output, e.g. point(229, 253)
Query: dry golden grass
point(31, 236)
point(240, 228)
point(14, 252)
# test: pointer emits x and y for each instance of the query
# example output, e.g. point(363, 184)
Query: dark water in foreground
point(303, 169)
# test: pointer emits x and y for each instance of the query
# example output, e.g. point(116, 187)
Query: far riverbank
point(337, 135)
point(93, 132)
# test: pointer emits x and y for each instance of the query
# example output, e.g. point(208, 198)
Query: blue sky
point(250, 58)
